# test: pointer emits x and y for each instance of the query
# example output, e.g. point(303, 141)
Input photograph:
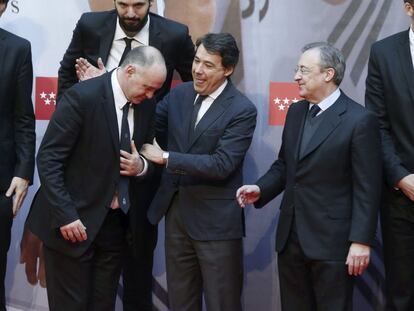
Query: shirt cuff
point(145, 169)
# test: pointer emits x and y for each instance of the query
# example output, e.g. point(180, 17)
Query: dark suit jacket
point(205, 167)
point(333, 191)
point(390, 95)
point(17, 121)
point(93, 36)
point(78, 162)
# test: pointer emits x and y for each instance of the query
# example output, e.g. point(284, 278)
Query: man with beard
point(100, 41)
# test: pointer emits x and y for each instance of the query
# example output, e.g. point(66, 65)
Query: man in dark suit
point(85, 180)
point(390, 95)
point(99, 40)
point(329, 166)
point(209, 126)
point(17, 135)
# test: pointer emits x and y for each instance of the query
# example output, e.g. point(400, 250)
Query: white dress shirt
point(411, 36)
point(118, 44)
point(328, 101)
point(208, 101)
point(120, 101)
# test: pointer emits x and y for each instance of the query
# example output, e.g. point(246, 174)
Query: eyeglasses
point(302, 70)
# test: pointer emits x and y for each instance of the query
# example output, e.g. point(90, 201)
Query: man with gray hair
point(329, 166)
point(87, 162)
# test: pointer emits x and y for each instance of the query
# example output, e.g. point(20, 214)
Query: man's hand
point(85, 70)
point(18, 188)
point(153, 152)
point(74, 232)
point(406, 185)
point(31, 252)
point(358, 258)
point(247, 194)
point(131, 163)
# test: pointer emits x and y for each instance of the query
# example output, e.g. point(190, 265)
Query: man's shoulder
point(390, 41)
point(14, 40)
point(168, 25)
point(96, 18)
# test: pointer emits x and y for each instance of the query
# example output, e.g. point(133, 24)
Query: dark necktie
point(196, 109)
point(125, 144)
point(128, 42)
point(314, 111)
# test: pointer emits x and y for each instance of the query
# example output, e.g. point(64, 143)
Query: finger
point(11, 189)
point(71, 236)
point(64, 234)
point(77, 234)
point(31, 270)
point(125, 154)
point(133, 147)
point(156, 143)
point(83, 234)
point(101, 65)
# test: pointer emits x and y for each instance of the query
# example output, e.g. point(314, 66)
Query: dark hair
point(330, 57)
point(4, 1)
point(222, 44)
point(409, 1)
point(143, 56)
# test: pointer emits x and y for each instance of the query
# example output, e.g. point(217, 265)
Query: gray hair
point(143, 56)
point(330, 57)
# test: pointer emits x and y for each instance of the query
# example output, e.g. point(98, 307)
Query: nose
point(198, 68)
point(297, 76)
point(130, 12)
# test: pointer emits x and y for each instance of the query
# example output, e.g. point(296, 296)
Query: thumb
point(133, 147)
point(101, 64)
point(10, 191)
point(155, 143)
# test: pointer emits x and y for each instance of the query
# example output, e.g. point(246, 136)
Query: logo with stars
point(45, 97)
point(281, 96)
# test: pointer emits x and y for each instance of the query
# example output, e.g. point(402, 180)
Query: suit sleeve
point(366, 179)
point(375, 101)
point(273, 182)
point(228, 154)
point(186, 57)
point(59, 140)
point(24, 119)
point(67, 73)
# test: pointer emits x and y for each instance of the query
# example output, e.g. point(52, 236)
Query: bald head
point(142, 73)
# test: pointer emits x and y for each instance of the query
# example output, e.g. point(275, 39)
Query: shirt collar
point(142, 36)
point(119, 96)
point(328, 101)
point(218, 91)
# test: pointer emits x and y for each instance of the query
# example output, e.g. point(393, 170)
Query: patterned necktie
point(314, 111)
point(196, 109)
point(128, 42)
point(125, 144)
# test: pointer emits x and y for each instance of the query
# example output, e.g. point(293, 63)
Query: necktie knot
point(314, 111)
point(128, 46)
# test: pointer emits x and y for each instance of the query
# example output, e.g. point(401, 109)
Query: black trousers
point(89, 282)
point(397, 220)
point(312, 285)
point(6, 219)
point(137, 275)
point(194, 267)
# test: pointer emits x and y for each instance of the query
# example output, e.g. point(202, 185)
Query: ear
point(409, 10)
point(130, 69)
point(329, 74)
point(228, 71)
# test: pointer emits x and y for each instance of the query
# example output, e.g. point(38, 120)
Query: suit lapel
point(217, 108)
point(329, 123)
point(107, 34)
point(406, 61)
point(110, 113)
point(296, 129)
point(155, 39)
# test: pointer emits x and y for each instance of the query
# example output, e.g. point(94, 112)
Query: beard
point(133, 25)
